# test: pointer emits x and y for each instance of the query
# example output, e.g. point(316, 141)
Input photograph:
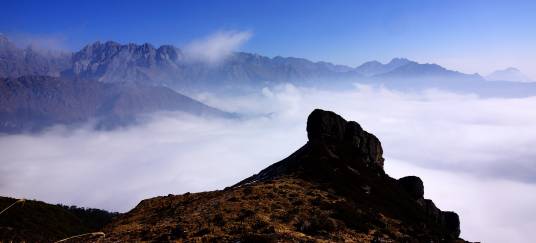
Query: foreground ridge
point(333, 188)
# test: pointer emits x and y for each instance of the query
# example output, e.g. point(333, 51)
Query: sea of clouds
point(475, 155)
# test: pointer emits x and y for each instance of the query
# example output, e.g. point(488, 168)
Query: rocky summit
point(332, 189)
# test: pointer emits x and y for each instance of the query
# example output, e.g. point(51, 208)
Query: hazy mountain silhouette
point(16, 62)
point(508, 74)
point(169, 66)
point(31, 103)
point(373, 68)
point(103, 70)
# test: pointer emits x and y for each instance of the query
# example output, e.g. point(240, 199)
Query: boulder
point(413, 185)
point(325, 126)
point(452, 223)
point(346, 139)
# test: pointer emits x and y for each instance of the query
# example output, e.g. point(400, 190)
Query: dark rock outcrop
point(348, 159)
point(452, 223)
point(413, 185)
point(348, 138)
point(337, 150)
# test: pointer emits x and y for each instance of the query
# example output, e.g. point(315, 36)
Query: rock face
point(334, 189)
point(168, 65)
point(349, 138)
point(415, 188)
point(335, 145)
point(452, 223)
point(113, 62)
point(413, 185)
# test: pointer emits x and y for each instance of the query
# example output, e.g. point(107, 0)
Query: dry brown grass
point(285, 210)
point(101, 234)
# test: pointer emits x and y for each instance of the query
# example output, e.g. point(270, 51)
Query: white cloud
point(216, 47)
point(491, 210)
point(475, 155)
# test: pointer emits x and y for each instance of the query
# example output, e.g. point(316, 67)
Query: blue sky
point(471, 36)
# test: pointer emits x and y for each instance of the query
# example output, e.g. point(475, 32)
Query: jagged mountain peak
point(114, 44)
point(399, 61)
point(335, 146)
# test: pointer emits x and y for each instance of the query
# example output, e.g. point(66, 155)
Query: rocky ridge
point(334, 188)
point(169, 66)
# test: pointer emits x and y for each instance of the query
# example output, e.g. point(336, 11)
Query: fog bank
point(474, 154)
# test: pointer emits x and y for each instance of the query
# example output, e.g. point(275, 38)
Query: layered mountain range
point(103, 80)
point(172, 67)
point(332, 189)
point(169, 65)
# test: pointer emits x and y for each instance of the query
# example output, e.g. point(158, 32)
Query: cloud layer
point(216, 47)
point(475, 155)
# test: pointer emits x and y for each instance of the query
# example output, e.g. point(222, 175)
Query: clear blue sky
point(472, 36)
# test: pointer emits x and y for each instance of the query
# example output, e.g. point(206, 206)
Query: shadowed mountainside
point(32, 103)
point(35, 221)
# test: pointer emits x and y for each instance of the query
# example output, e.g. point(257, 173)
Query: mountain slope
point(114, 62)
point(333, 189)
point(31, 103)
point(168, 66)
point(35, 221)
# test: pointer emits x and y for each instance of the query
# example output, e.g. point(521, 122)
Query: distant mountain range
point(114, 83)
point(508, 74)
point(168, 65)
